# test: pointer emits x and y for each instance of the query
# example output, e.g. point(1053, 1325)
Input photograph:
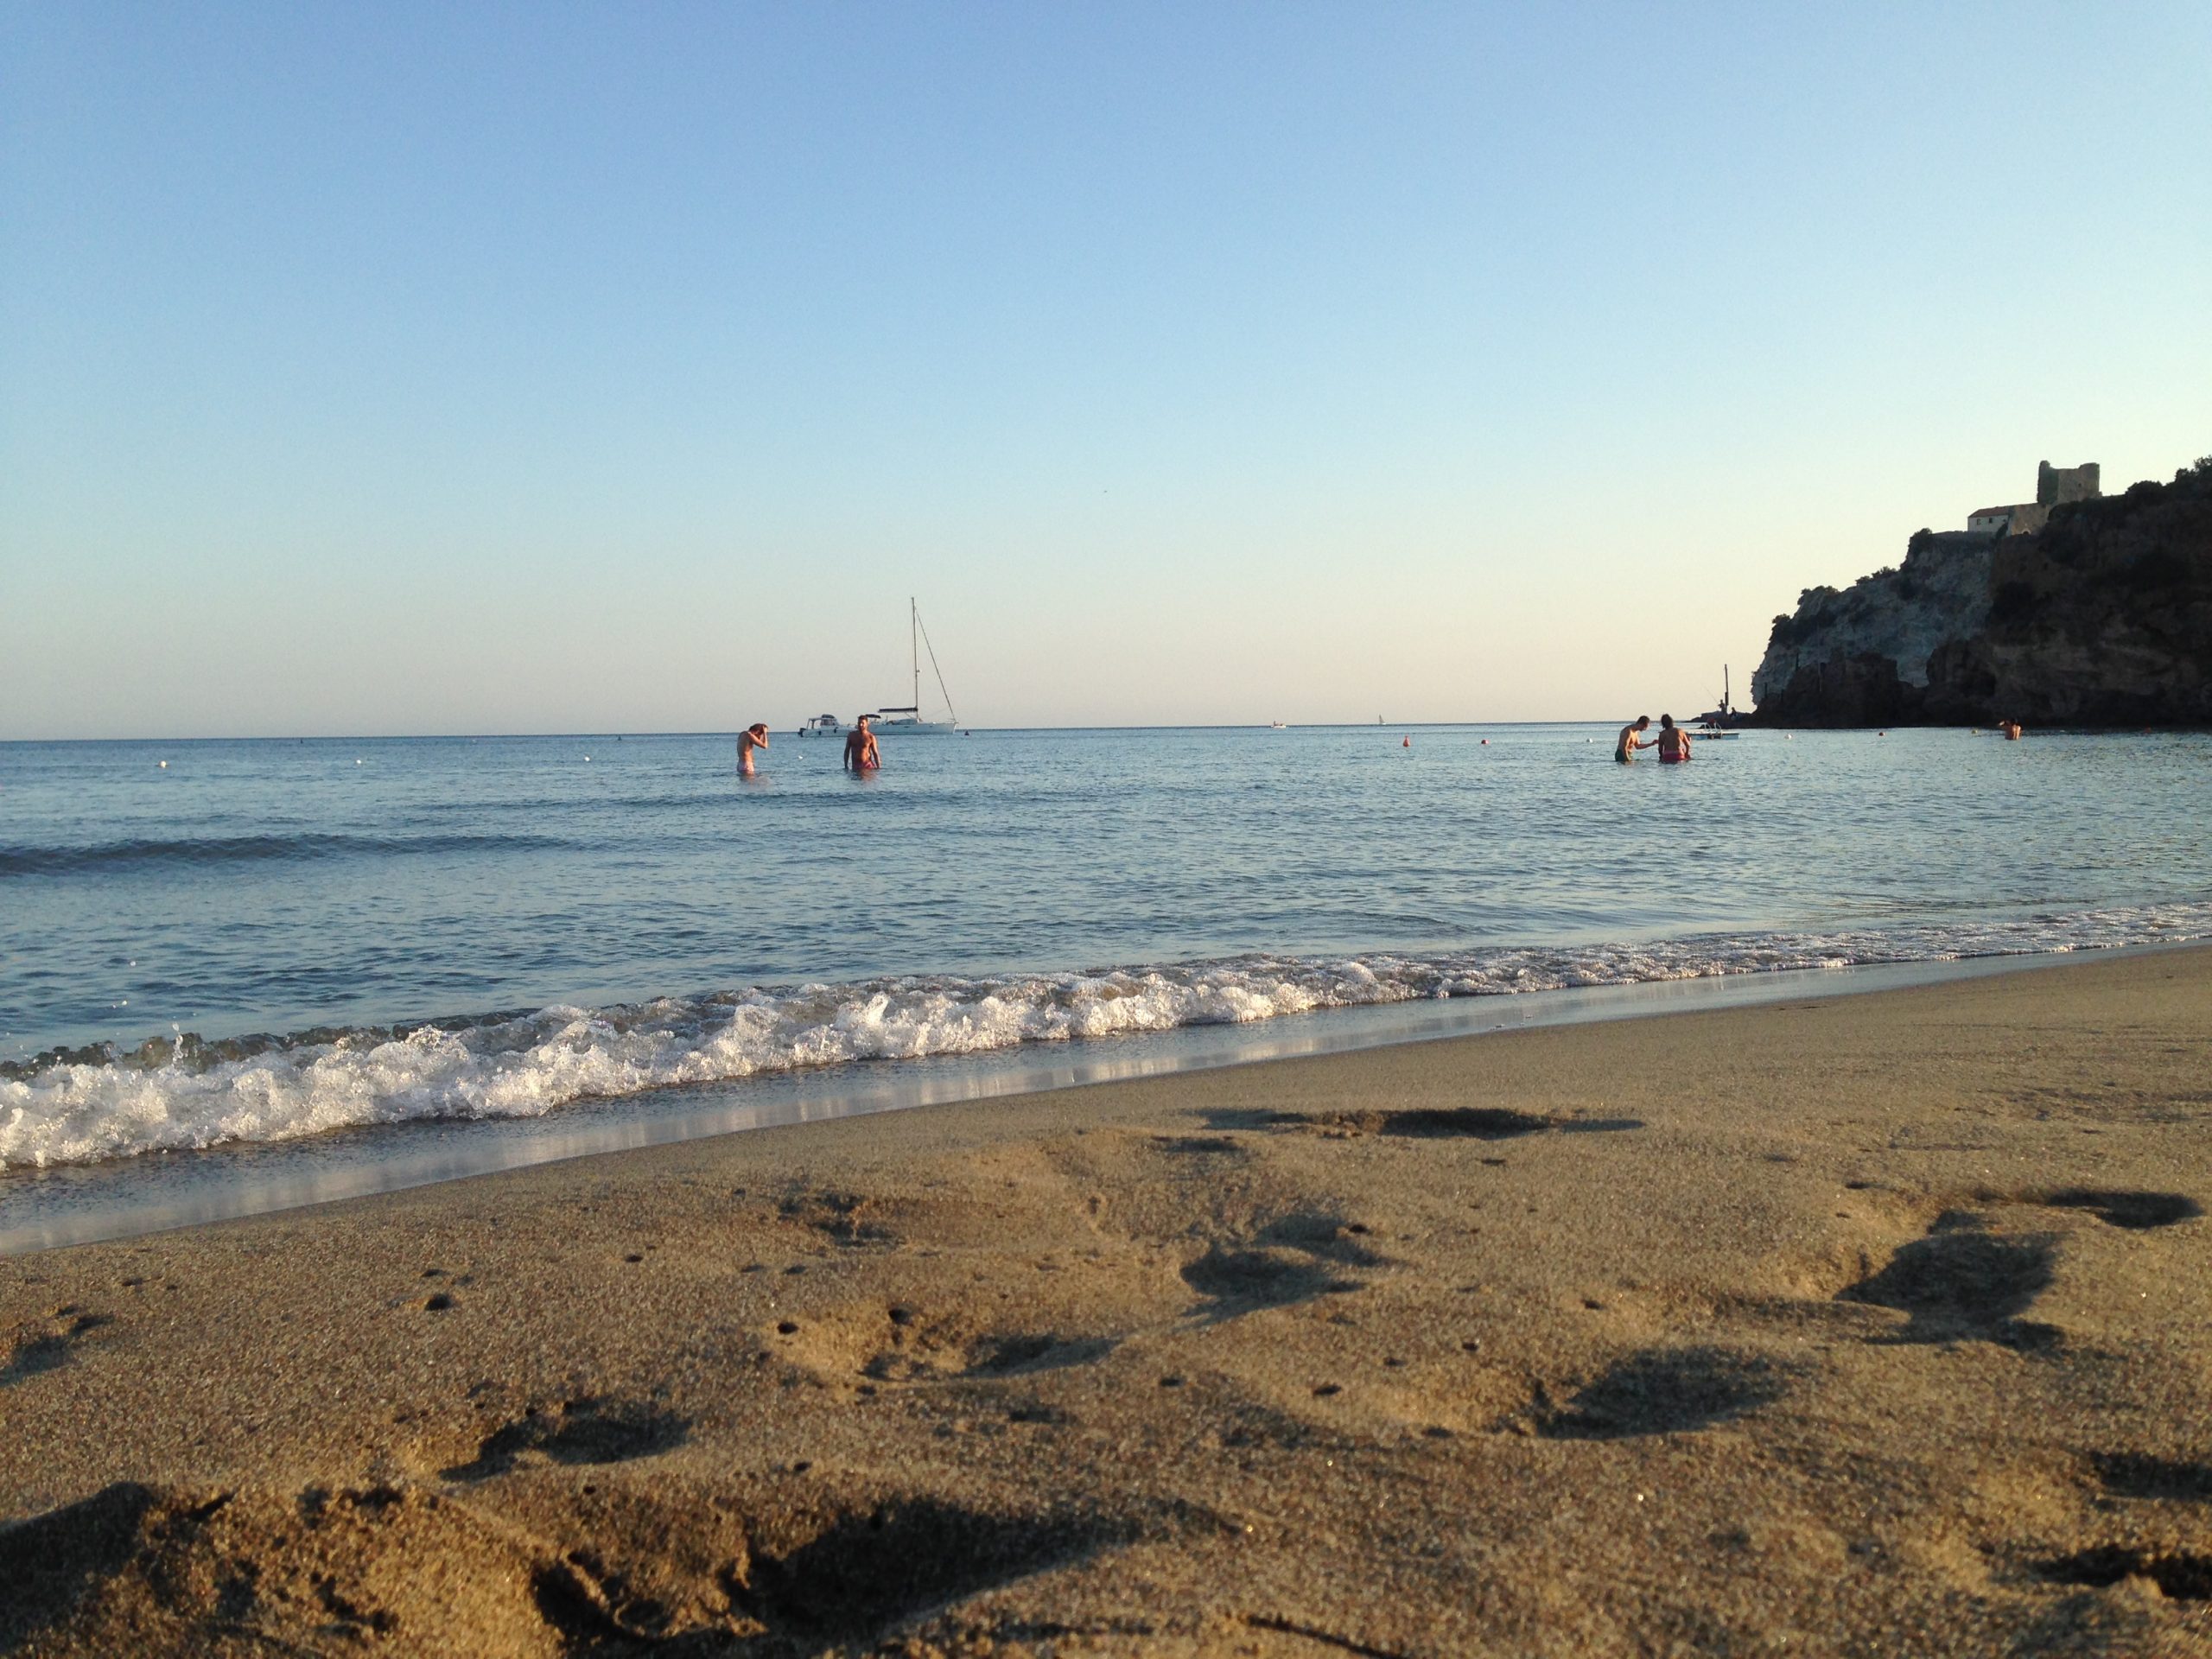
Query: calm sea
point(211, 943)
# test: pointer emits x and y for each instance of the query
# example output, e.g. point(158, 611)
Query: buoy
point(1406, 744)
point(165, 765)
point(1485, 742)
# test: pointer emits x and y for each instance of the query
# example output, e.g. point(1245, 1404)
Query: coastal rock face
point(2102, 617)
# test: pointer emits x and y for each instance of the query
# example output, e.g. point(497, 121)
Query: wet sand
point(1875, 1325)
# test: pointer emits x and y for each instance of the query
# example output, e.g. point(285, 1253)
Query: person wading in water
point(860, 752)
point(754, 736)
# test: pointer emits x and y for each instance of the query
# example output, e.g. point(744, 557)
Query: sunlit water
point(502, 928)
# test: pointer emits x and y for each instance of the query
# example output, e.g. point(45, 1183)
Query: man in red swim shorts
point(860, 752)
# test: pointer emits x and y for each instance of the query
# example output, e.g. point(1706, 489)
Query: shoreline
point(151, 1193)
point(1865, 1323)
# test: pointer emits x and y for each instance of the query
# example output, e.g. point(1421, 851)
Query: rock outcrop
point(2101, 618)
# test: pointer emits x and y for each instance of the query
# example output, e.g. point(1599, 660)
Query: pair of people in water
point(860, 752)
point(1673, 741)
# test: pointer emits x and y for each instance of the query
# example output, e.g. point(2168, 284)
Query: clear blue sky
point(436, 368)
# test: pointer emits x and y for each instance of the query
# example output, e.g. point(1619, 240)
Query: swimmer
point(754, 736)
point(1624, 751)
point(1673, 741)
point(860, 752)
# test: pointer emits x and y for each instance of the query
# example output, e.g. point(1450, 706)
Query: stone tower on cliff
point(2057, 485)
point(2054, 487)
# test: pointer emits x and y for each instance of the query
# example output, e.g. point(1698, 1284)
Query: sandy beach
point(1876, 1324)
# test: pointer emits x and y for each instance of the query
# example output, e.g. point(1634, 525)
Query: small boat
point(905, 719)
point(821, 726)
point(1277, 725)
point(1715, 723)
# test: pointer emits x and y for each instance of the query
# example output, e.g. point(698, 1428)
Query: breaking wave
point(86, 1105)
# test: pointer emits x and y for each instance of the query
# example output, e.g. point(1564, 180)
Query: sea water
point(210, 943)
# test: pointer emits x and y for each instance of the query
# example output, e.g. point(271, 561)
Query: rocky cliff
point(2101, 618)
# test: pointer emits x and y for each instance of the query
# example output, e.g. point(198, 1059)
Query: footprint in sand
point(2180, 1574)
point(871, 1568)
point(1292, 1259)
point(1200, 1145)
point(2134, 1210)
point(1665, 1391)
point(589, 1430)
point(1236, 1281)
point(994, 1354)
point(1426, 1123)
point(41, 1345)
point(841, 1217)
point(2135, 1474)
point(137, 1569)
point(1317, 1232)
point(1963, 1282)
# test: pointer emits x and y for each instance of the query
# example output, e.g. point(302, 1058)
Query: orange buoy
point(1408, 743)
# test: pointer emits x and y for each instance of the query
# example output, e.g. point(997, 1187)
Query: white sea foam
point(523, 1066)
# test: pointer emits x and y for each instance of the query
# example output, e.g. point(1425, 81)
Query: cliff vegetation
point(2101, 618)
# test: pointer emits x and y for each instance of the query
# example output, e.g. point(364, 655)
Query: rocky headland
point(2102, 617)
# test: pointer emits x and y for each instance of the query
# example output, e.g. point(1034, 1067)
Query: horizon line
point(458, 737)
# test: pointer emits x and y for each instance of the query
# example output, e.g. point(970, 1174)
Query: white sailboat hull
point(913, 728)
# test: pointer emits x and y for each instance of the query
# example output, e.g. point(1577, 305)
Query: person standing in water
point(754, 736)
point(860, 752)
point(1673, 741)
point(1624, 751)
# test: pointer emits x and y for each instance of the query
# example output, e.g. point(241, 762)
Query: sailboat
point(1715, 723)
point(906, 720)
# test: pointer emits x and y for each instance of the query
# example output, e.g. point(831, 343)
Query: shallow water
point(588, 919)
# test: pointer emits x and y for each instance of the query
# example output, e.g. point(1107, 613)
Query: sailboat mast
point(951, 714)
point(914, 651)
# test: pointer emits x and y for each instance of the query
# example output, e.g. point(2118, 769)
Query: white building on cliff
point(2054, 485)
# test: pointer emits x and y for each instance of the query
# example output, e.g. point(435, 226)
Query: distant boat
point(821, 726)
point(906, 721)
point(1727, 714)
point(1277, 725)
